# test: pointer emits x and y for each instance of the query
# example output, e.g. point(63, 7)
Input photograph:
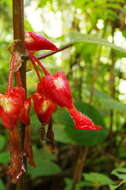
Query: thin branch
point(44, 55)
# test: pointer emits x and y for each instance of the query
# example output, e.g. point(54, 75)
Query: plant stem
point(40, 64)
point(35, 67)
point(83, 151)
point(18, 29)
point(112, 84)
point(44, 55)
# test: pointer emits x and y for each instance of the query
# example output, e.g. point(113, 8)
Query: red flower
point(56, 88)
point(35, 42)
point(43, 108)
point(11, 105)
point(82, 121)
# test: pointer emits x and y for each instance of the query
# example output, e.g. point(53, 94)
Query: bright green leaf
point(98, 178)
point(2, 186)
point(120, 173)
point(2, 141)
point(44, 165)
point(109, 102)
point(76, 37)
point(4, 157)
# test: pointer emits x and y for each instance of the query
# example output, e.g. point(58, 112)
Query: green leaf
point(120, 173)
point(85, 137)
point(113, 187)
point(44, 164)
point(76, 37)
point(4, 157)
point(98, 178)
point(2, 186)
point(2, 141)
point(69, 184)
point(109, 102)
point(60, 134)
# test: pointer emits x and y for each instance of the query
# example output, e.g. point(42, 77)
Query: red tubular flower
point(81, 121)
point(56, 88)
point(35, 42)
point(43, 108)
point(11, 105)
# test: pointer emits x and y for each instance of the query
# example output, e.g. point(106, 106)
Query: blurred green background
point(96, 68)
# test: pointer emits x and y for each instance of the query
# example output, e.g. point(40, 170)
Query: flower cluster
point(52, 90)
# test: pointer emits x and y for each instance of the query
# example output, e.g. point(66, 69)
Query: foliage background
point(95, 67)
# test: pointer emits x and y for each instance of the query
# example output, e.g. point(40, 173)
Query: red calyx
point(56, 88)
point(11, 105)
point(35, 42)
point(25, 112)
point(43, 108)
point(82, 121)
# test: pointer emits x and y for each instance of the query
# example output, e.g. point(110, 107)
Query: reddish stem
point(19, 82)
point(11, 69)
point(40, 64)
point(35, 67)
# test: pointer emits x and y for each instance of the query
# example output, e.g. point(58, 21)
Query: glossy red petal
point(43, 108)
point(35, 42)
point(17, 92)
point(82, 121)
point(56, 88)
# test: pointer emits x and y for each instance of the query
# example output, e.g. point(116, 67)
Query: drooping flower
point(82, 121)
point(43, 108)
point(35, 42)
point(56, 88)
point(11, 105)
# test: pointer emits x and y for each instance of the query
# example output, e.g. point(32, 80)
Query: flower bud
point(35, 42)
